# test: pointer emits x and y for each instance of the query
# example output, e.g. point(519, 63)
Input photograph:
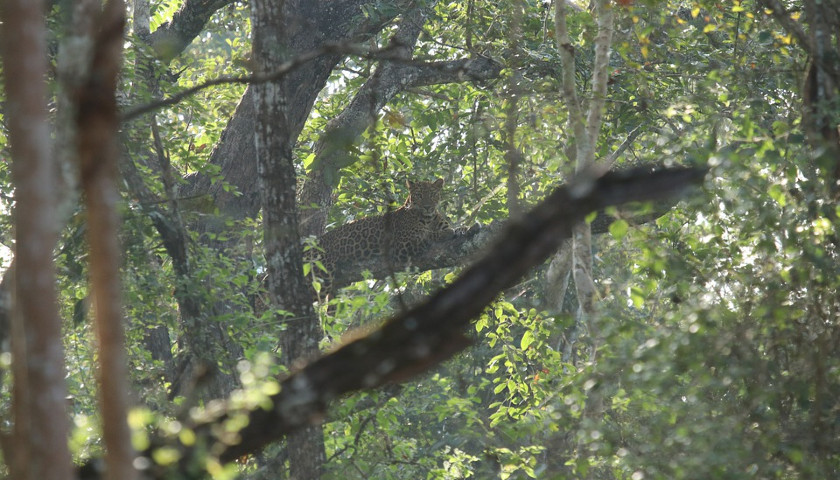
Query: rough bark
point(38, 446)
point(820, 98)
point(275, 134)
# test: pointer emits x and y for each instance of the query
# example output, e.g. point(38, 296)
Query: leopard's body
point(396, 236)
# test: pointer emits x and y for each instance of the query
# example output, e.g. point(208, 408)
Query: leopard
point(397, 236)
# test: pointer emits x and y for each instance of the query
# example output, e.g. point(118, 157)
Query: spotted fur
point(397, 236)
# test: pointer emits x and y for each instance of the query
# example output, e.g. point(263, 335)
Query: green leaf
point(308, 161)
point(618, 229)
point(481, 323)
point(527, 340)
point(777, 193)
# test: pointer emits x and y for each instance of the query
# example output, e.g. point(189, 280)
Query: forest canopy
point(403, 239)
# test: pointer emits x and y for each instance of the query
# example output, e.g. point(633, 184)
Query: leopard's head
point(424, 196)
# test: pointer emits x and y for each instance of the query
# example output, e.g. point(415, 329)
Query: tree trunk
point(98, 127)
point(287, 287)
point(38, 448)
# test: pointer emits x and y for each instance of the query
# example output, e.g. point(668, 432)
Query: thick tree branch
point(793, 27)
point(171, 38)
point(813, 41)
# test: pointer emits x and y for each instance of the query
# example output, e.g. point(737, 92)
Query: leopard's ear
point(438, 182)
